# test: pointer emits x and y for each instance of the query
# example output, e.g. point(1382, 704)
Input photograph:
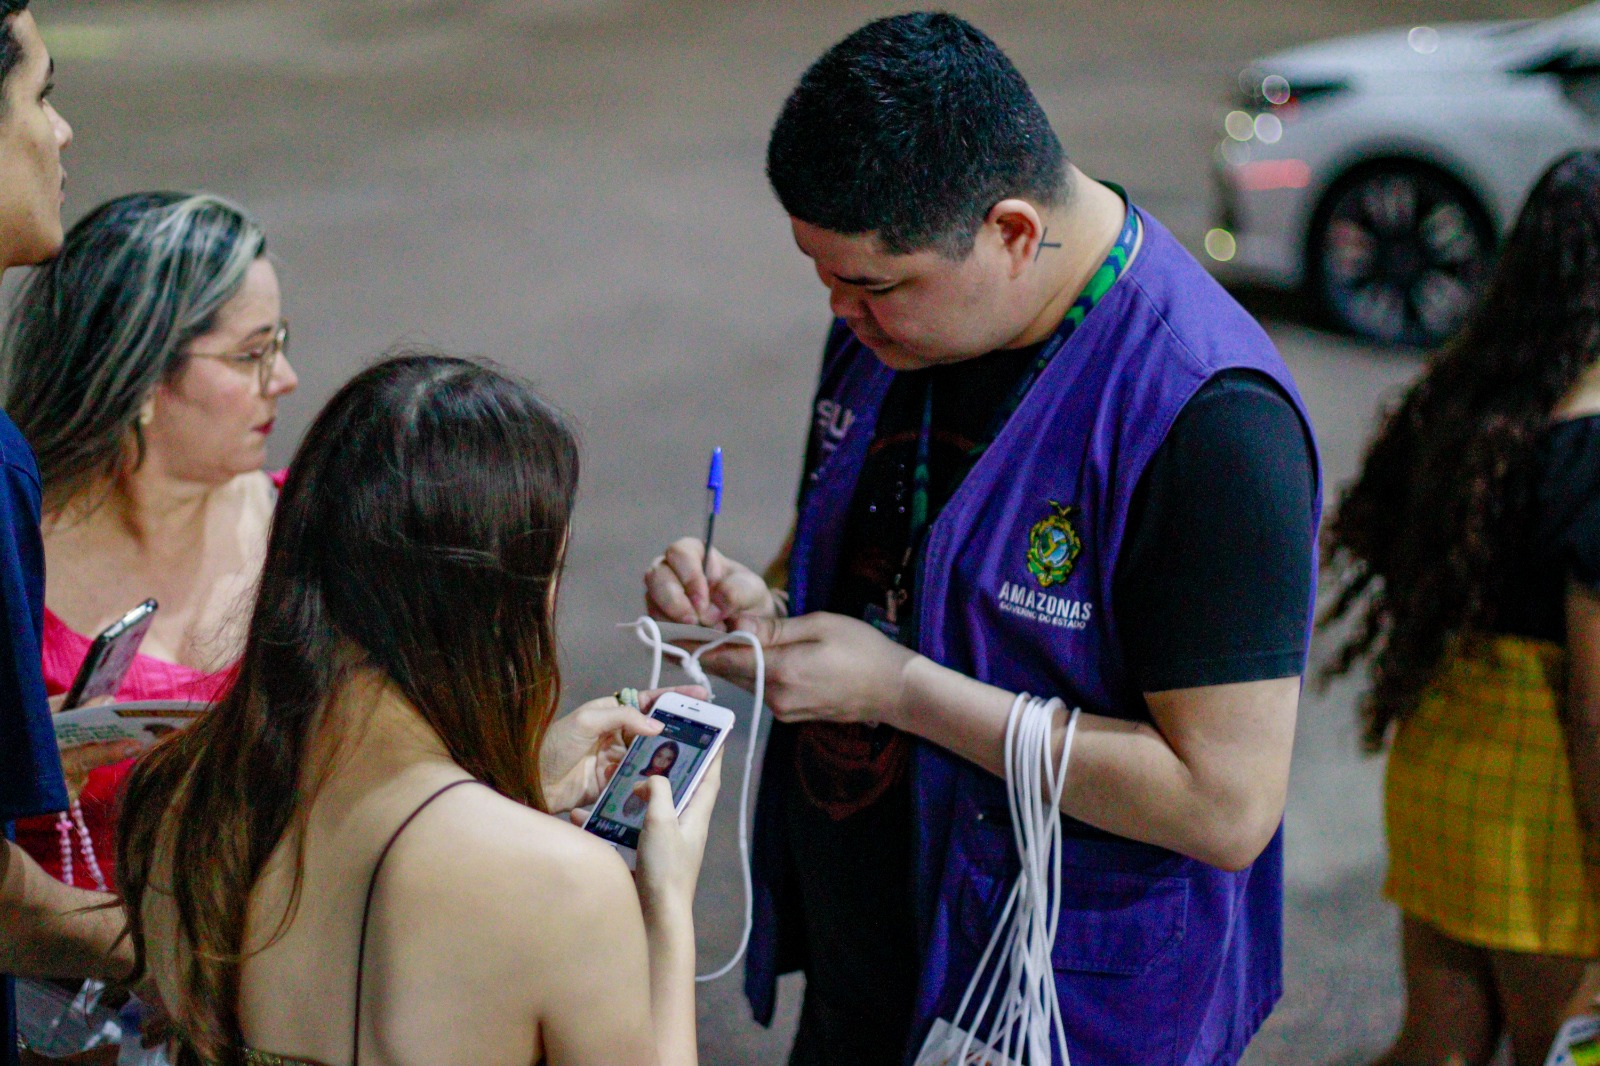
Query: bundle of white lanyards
point(1019, 998)
point(649, 633)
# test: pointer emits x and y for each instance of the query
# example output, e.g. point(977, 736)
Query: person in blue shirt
point(46, 928)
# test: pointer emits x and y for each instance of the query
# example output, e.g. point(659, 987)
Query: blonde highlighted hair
point(95, 330)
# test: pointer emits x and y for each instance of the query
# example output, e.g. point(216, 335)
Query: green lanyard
point(1100, 283)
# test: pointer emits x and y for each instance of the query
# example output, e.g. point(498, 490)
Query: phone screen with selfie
point(692, 731)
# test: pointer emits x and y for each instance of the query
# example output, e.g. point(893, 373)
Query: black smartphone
point(110, 656)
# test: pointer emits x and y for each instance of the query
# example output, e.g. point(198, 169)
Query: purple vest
point(1161, 959)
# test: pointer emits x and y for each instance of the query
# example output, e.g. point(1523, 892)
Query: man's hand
point(582, 750)
point(820, 668)
point(683, 586)
point(48, 929)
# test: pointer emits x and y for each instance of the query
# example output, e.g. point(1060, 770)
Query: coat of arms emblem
point(1054, 546)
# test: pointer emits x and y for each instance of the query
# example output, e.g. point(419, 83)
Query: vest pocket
point(1116, 923)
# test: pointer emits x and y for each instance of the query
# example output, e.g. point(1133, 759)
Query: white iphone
point(691, 735)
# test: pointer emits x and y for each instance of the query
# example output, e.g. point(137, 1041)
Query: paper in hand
point(145, 722)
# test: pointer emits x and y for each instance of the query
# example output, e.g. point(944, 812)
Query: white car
point(1379, 172)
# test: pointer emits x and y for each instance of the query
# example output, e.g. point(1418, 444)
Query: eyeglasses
point(264, 359)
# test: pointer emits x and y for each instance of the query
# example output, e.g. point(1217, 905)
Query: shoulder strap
point(366, 908)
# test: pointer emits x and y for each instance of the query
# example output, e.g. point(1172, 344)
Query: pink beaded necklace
point(66, 821)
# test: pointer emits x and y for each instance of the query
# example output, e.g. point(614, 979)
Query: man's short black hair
point(10, 47)
point(912, 128)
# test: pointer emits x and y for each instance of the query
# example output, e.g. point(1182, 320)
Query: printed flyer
point(144, 722)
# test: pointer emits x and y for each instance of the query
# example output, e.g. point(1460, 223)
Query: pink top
point(149, 678)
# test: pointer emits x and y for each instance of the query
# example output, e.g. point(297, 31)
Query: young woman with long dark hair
point(350, 859)
point(1467, 556)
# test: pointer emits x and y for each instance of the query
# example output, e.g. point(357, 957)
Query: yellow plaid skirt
point(1484, 841)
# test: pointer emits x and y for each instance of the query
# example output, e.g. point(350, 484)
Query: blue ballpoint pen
point(713, 496)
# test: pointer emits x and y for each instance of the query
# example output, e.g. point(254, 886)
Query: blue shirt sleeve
point(30, 766)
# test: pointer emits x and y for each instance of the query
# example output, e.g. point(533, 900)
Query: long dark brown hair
point(419, 536)
point(1420, 545)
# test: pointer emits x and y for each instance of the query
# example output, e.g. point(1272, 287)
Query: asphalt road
point(574, 188)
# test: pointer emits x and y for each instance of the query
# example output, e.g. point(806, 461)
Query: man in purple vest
point(1049, 454)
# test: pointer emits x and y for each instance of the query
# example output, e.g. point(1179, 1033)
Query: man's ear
point(1019, 228)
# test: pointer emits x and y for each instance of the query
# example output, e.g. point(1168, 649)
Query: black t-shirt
point(1212, 584)
point(1212, 587)
point(966, 397)
point(1563, 543)
point(1215, 572)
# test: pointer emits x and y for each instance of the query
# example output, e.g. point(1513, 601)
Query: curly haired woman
point(1467, 554)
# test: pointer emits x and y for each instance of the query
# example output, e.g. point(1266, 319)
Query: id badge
point(944, 1044)
point(878, 618)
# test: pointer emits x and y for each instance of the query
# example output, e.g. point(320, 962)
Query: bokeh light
point(1240, 126)
point(1269, 129)
point(1220, 245)
point(1424, 40)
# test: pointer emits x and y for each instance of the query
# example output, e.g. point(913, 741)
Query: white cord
point(1027, 1015)
point(649, 633)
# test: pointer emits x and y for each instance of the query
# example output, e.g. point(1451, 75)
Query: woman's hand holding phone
point(672, 847)
point(583, 749)
point(58, 702)
point(666, 870)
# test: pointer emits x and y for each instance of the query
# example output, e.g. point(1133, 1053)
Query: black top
point(1211, 586)
point(965, 398)
point(253, 1057)
point(1564, 541)
point(1215, 574)
point(1215, 571)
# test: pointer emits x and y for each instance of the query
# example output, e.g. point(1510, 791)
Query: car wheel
point(1400, 254)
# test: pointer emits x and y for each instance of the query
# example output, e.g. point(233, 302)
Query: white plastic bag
point(1578, 1042)
point(57, 1022)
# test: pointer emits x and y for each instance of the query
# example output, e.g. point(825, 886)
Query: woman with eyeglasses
point(145, 365)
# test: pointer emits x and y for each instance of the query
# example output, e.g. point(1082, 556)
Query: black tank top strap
point(366, 908)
